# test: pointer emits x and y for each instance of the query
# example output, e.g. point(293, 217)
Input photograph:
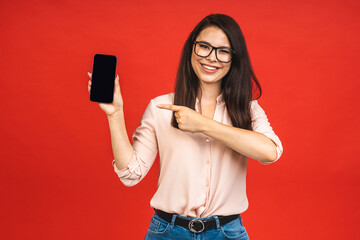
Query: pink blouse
point(199, 176)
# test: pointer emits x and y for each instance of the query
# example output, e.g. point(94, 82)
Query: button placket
point(207, 162)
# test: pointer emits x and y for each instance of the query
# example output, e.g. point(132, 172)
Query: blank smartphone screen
point(103, 76)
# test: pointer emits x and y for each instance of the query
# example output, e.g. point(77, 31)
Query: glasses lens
point(224, 54)
point(202, 49)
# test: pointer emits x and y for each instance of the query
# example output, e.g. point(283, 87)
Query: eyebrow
point(214, 46)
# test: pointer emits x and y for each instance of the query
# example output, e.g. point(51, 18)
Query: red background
point(56, 177)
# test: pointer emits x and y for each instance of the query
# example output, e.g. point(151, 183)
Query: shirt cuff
point(132, 167)
point(276, 140)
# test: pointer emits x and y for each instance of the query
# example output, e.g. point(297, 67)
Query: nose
point(212, 56)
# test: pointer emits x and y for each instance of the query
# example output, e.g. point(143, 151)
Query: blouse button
point(207, 140)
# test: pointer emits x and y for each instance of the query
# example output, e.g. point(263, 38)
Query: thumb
point(117, 84)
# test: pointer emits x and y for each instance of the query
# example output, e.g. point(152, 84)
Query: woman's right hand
point(117, 105)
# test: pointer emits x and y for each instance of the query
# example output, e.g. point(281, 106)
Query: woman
point(204, 133)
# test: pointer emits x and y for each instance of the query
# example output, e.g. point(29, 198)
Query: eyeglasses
point(204, 49)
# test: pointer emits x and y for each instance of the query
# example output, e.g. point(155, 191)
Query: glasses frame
point(212, 48)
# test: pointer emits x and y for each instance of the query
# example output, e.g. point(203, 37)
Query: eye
point(224, 51)
point(204, 46)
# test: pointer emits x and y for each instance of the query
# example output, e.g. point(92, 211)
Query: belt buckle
point(194, 224)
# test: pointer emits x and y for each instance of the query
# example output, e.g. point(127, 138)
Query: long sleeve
point(145, 149)
point(261, 124)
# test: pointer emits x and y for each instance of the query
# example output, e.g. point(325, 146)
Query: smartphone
point(103, 77)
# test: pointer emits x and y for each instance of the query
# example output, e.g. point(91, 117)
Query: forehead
point(215, 36)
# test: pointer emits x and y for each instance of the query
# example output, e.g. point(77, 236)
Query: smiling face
point(208, 69)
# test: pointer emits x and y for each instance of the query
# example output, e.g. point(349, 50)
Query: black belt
point(196, 225)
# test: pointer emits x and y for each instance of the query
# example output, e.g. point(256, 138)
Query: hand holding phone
point(117, 103)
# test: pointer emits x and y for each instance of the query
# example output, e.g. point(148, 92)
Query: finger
point(176, 114)
point(169, 107)
point(117, 84)
point(90, 75)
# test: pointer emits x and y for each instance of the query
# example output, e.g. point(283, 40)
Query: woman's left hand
point(188, 119)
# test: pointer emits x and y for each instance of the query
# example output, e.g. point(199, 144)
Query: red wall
point(56, 177)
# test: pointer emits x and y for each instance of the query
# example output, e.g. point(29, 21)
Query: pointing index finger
point(169, 107)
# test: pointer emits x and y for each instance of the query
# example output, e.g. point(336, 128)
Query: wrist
point(206, 125)
point(116, 115)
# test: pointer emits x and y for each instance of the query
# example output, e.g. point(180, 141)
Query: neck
point(209, 92)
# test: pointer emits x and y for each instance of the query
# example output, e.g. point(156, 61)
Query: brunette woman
point(204, 132)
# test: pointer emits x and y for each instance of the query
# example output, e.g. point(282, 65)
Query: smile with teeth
point(209, 67)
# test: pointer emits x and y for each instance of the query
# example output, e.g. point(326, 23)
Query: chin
point(209, 80)
point(210, 77)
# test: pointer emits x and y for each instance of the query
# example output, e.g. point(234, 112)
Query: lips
point(209, 68)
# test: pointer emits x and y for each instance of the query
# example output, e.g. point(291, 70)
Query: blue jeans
point(160, 229)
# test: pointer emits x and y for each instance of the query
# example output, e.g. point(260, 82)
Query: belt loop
point(241, 222)
point(173, 220)
point(217, 223)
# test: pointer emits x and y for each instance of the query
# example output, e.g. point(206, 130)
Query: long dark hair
point(237, 86)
